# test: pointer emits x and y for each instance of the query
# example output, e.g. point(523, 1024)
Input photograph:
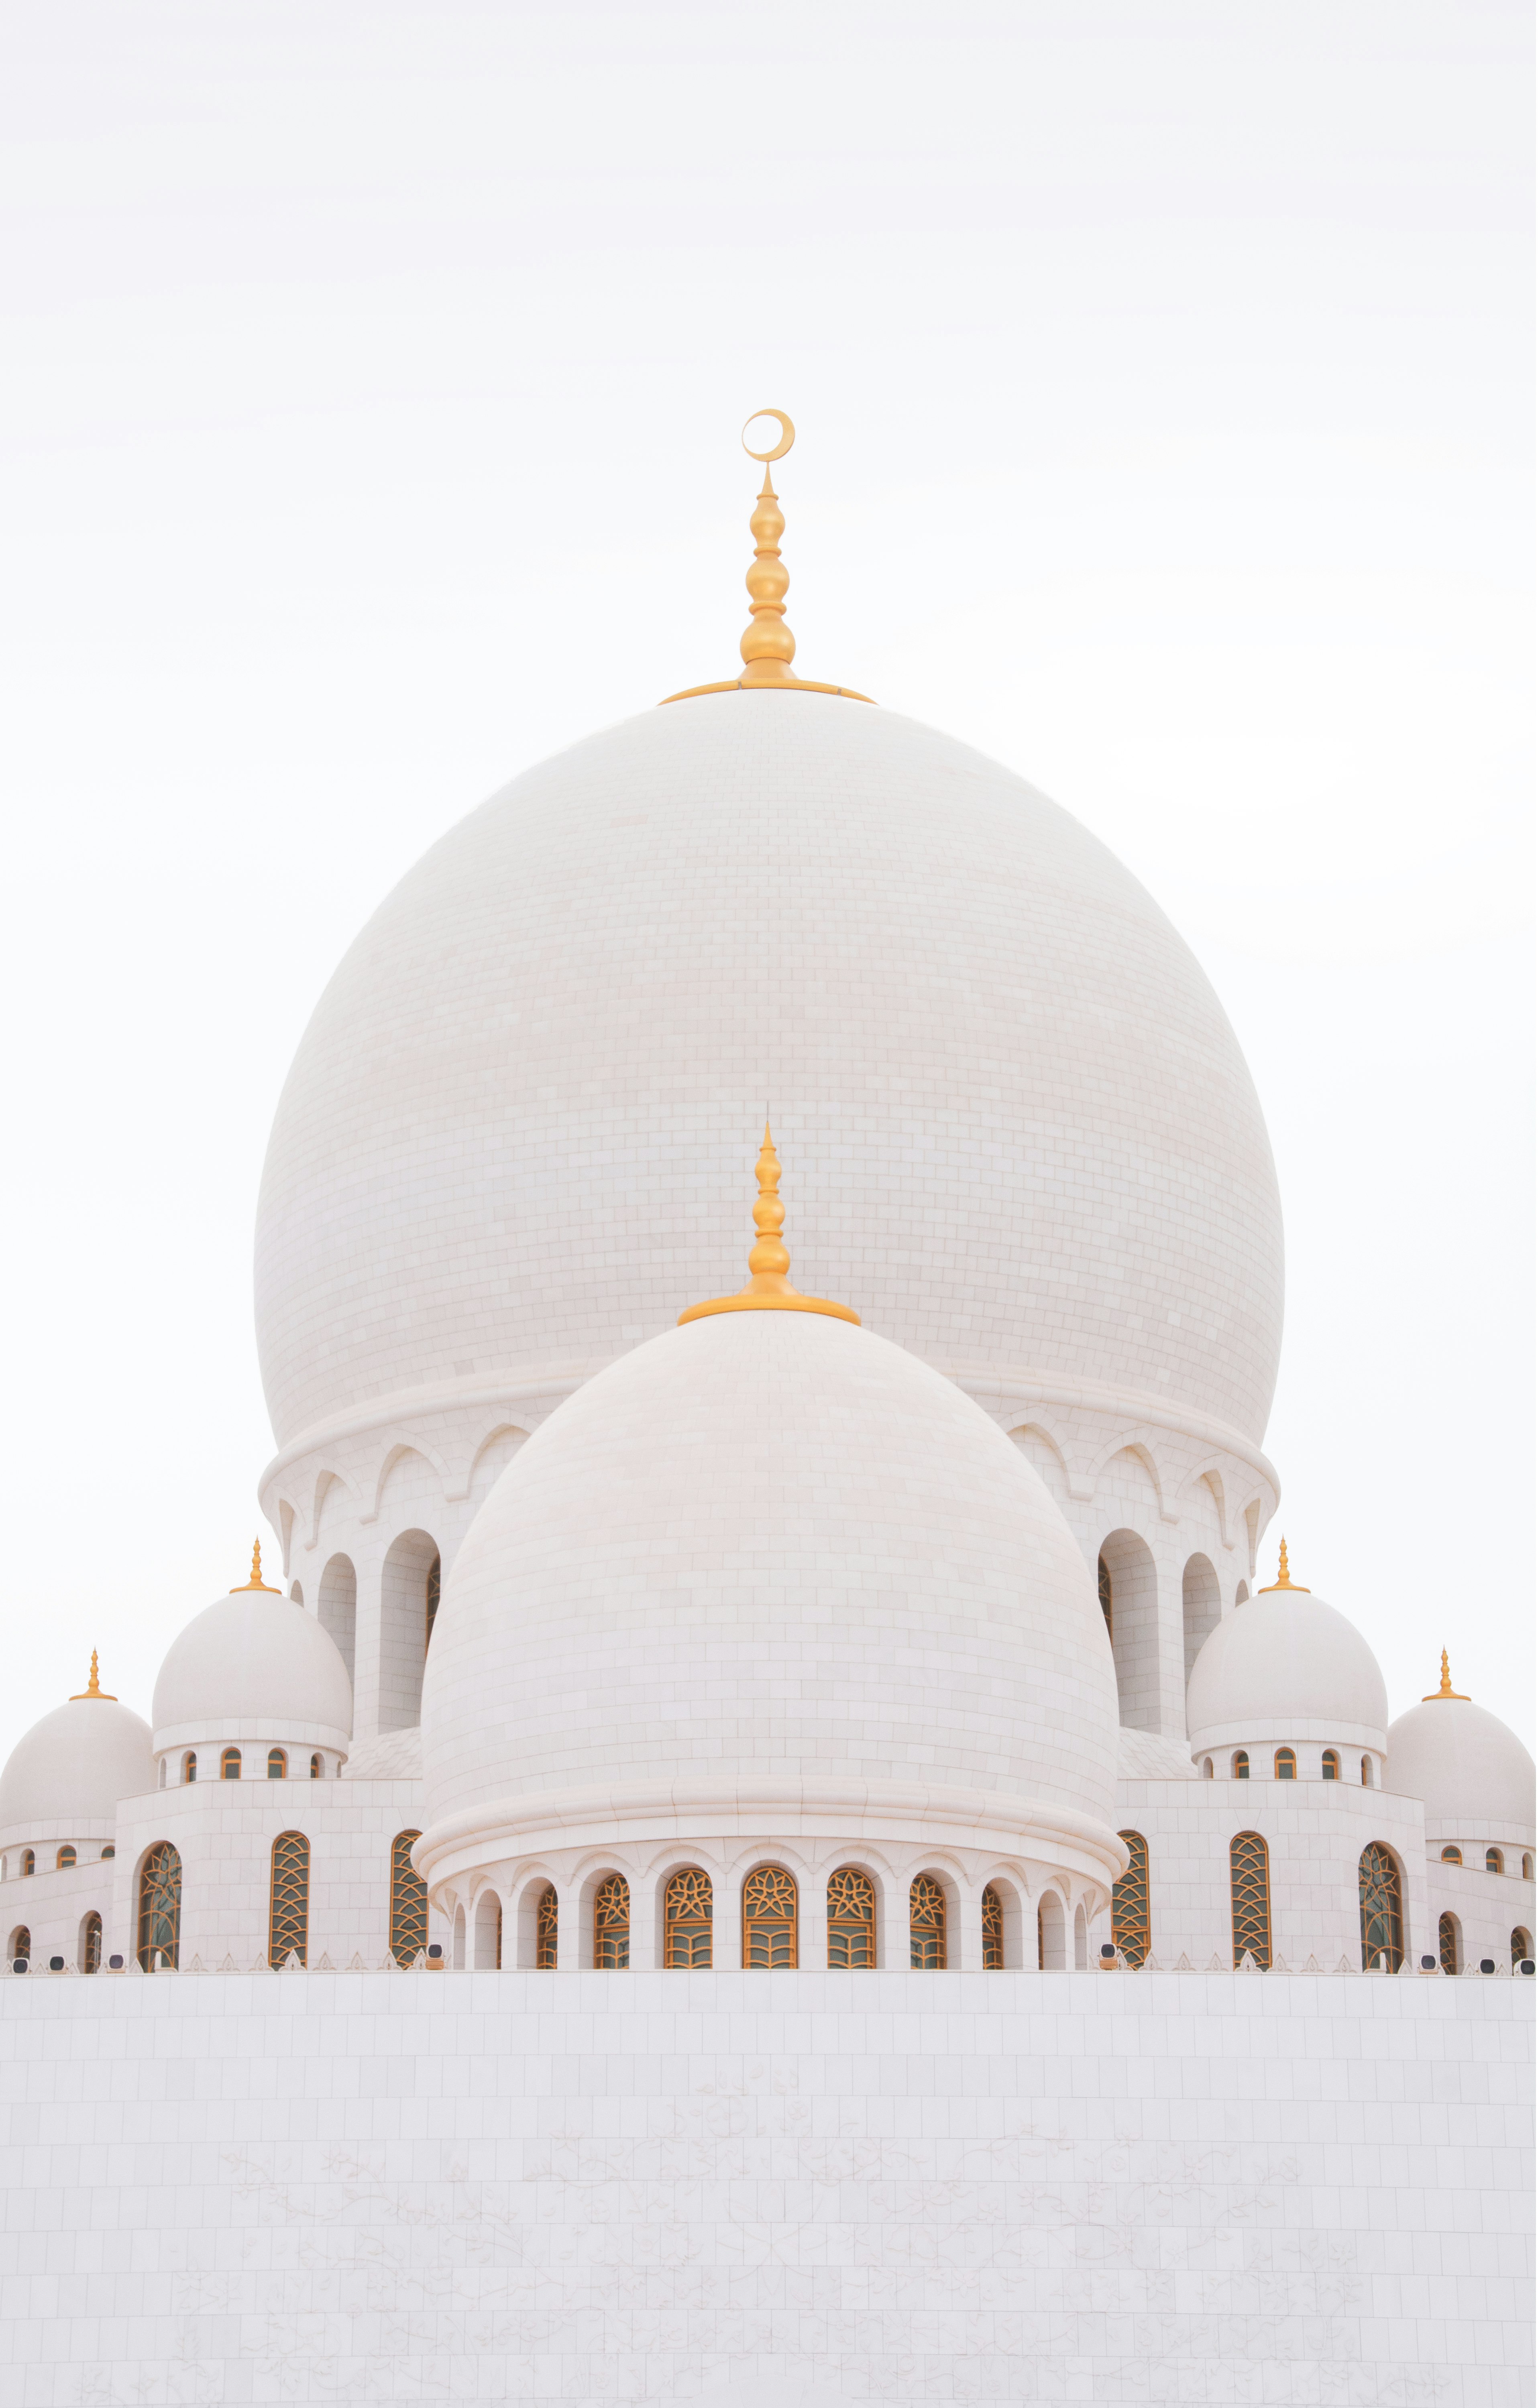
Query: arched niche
point(1201, 1605)
point(491, 1459)
point(406, 1585)
point(1050, 1932)
point(338, 1608)
point(487, 1951)
point(1127, 1568)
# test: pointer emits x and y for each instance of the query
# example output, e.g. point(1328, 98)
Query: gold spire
point(93, 1688)
point(769, 1290)
point(1446, 1689)
point(255, 1581)
point(1283, 1579)
point(768, 646)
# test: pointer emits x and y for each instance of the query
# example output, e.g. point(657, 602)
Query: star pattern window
point(612, 1925)
point(686, 1919)
point(288, 1902)
point(1249, 1897)
point(160, 1908)
point(1447, 1944)
point(768, 1917)
point(927, 1926)
point(1382, 1907)
point(408, 1901)
point(851, 1918)
point(993, 1931)
point(546, 1927)
point(1130, 1925)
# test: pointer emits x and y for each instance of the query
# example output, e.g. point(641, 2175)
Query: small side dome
point(1473, 1775)
point(1286, 1665)
point(254, 1665)
point(74, 1766)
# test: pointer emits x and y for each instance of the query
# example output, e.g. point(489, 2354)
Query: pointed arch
point(493, 1455)
point(391, 1462)
point(1142, 1455)
point(1043, 1451)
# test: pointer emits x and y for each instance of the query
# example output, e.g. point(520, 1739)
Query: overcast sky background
point(373, 379)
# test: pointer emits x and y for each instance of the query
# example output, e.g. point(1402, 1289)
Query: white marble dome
point(1471, 1774)
point(69, 1771)
point(769, 1571)
point(253, 1666)
point(1282, 1668)
point(513, 1142)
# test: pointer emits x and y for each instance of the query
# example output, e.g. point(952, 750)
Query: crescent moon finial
point(787, 436)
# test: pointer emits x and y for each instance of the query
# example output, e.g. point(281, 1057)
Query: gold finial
point(93, 1688)
point(768, 646)
point(767, 1289)
point(255, 1581)
point(1283, 1579)
point(1446, 1689)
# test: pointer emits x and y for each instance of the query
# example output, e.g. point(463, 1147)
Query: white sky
point(373, 378)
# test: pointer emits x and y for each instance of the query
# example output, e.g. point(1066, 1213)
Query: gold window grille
point(1287, 1764)
point(851, 1917)
point(1382, 1912)
point(1249, 1897)
point(612, 1925)
point(1041, 1940)
point(1107, 1601)
point(21, 1942)
point(435, 1591)
point(67, 1857)
point(1446, 1942)
point(277, 1764)
point(768, 1917)
point(159, 1907)
point(288, 1901)
point(91, 1945)
point(229, 1764)
point(546, 1927)
point(993, 1931)
point(1129, 1919)
point(1330, 1765)
point(686, 1919)
point(408, 1901)
point(189, 1765)
point(1521, 1948)
point(927, 1926)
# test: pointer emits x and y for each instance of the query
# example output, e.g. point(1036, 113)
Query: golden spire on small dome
point(94, 1687)
point(1446, 1689)
point(768, 646)
point(767, 1289)
point(1283, 1579)
point(255, 1581)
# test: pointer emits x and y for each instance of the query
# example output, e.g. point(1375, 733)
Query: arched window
point(1207, 1769)
point(1367, 1773)
point(1449, 1955)
point(317, 1768)
point(189, 1765)
point(160, 1908)
point(66, 1856)
point(768, 1917)
point(229, 1764)
point(435, 1591)
point(612, 1925)
point(1494, 1861)
point(1103, 1571)
point(993, 1931)
point(1129, 1903)
point(109, 1853)
point(851, 1917)
point(1330, 1765)
point(686, 1919)
point(1051, 1933)
point(288, 1901)
point(21, 1943)
point(927, 1926)
point(1451, 1855)
point(545, 1930)
point(1527, 1868)
point(277, 1764)
point(29, 1861)
point(1249, 1897)
point(90, 1945)
point(1521, 1947)
point(408, 1901)
point(1381, 1912)
point(1241, 1765)
point(1287, 1764)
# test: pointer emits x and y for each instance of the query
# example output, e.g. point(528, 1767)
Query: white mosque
point(473, 1925)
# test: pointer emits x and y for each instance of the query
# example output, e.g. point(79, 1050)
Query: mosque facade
point(790, 1842)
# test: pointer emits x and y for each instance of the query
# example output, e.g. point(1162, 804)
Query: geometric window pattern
point(545, 1931)
point(1104, 1584)
point(769, 1918)
point(159, 1907)
point(1129, 1903)
point(927, 1926)
point(288, 1909)
point(1446, 1942)
point(851, 1918)
point(612, 1925)
point(993, 1931)
point(435, 1590)
point(1249, 1893)
point(408, 1901)
point(1521, 1948)
point(21, 1941)
point(91, 1945)
point(686, 1919)
point(1382, 1914)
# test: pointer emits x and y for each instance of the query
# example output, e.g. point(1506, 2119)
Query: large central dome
point(1023, 1138)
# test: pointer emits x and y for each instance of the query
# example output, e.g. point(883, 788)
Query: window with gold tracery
point(1521, 1947)
point(288, 1902)
point(21, 1941)
point(160, 1908)
point(1129, 1922)
point(90, 1945)
point(768, 1917)
point(545, 1931)
point(612, 1925)
point(1381, 1910)
point(993, 1931)
point(686, 1919)
point(408, 1901)
point(1446, 1942)
point(1107, 1602)
point(1249, 1897)
point(927, 1926)
point(851, 1917)
point(435, 1591)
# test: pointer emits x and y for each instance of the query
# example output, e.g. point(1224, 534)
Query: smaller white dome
point(1471, 1773)
point(254, 1665)
point(1286, 1665)
point(74, 1766)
